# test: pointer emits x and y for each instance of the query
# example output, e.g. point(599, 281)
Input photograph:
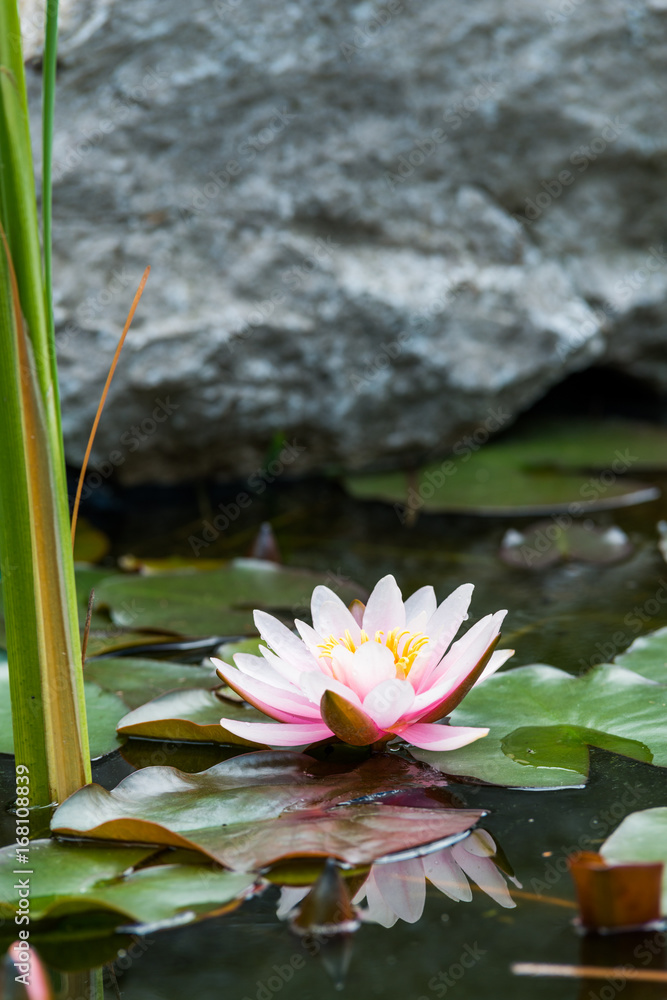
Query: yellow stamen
point(404, 661)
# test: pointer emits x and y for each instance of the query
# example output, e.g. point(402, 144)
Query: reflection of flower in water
point(397, 891)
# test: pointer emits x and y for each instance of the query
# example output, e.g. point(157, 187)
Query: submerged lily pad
point(192, 715)
point(642, 836)
point(535, 472)
point(542, 717)
point(260, 808)
point(546, 542)
point(219, 602)
point(90, 544)
point(71, 882)
point(103, 710)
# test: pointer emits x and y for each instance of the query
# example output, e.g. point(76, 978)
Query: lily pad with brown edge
point(260, 808)
point(137, 680)
point(540, 721)
point(103, 710)
point(220, 602)
point(189, 716)
point(641, 837)
point(73, 884)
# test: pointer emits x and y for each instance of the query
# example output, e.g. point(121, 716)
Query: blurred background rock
point(371, 227)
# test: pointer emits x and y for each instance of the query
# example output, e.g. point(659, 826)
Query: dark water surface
point(571, 616)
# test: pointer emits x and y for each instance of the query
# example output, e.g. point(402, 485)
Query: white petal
point(290, 897)
point(441, 629)
point(385, 609)
point(422, 603)
point(497, 660)
point(389, 701)
point(373, 663)
point(283, 642)
point(259, 668)
point(485, 873)
point(481, 843)
point(403, 887)
point(330, 616)
point(312, 639)
point(378, 912)
point(446, 875)
point(314, 684)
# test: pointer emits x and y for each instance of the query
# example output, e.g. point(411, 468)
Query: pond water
point(565, 616)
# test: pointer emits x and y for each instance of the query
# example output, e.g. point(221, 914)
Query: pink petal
point(379, 911)
point(331, 616)
point(485, 873)
point(373, 663)
point(419, 608)
point(432, 736)
point(441, 629)
point(283, 642)
point(312, 639)
point(277, 734)
point(403, 887)
point(357, 609)
point(274, 702)
point(280, 668)
point(263, 669)
point(445, 873)
point(385, 609)
point(313, 686)
point(500, 657)
point(290, 897)
point(389, 701)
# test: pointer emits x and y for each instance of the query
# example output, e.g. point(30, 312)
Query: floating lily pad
point(219, 602)
point(546, 542)
point(73, 881)
point(138, 681)
point(642, 836)
point(647, 656)
point(626, 711)
point(103, 710)
point(260, 808)
point(190, 716)
point(535, 472)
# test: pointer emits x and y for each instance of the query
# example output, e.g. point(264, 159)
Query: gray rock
point(371, 227)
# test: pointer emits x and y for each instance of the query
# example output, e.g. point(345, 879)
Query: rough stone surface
point(371, 227)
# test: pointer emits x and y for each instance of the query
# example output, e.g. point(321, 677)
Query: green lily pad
point(75, 881)
point(219, 602)
point(256, 809)
point(647, 656)
point(612, 701)
point(138, 680)
point(103, 710)
point(642, 836)
point(533, 472)
point(567, 746)
point(188, 716)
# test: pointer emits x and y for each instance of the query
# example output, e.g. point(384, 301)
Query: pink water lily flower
point(369, 673)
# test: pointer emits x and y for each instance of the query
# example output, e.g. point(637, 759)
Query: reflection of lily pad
point(219, 602)
point(253, 810)
point(642, 836)
point(188, 715)
point(609, 699)
point(72, 880)
point(103, 710)
point(536, 472)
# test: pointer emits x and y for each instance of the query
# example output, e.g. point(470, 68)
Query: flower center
point(404, 645)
